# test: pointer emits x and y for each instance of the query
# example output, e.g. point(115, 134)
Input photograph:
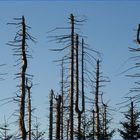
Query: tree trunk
point(97, 102)
point(58, 106)
point(23, 88)
point(29, 107)
point(62, 105)
point(51, 116)
point(71, 76)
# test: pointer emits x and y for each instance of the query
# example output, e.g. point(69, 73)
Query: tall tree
point(78, 111)
point(21, 49)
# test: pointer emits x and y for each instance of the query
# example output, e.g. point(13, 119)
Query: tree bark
point(23, 88)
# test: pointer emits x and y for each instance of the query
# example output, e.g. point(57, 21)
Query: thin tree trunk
point(71, 76)
point(62, 102)
point(51, 116)
point(29, 107)
point(97, 102)
point(58, 106)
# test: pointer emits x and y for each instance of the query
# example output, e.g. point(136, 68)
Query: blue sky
point(109, 29)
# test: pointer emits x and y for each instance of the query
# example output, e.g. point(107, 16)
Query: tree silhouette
point(130, 127)
point(21, 49)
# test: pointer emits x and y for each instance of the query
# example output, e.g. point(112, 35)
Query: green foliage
point(130, 127)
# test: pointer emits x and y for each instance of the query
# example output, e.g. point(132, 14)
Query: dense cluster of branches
point(84, 73)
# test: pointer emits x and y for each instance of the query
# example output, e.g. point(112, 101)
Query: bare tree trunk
point(51, 116)
point(78, 111)
point(23, 88)
point(71, 76)
point(97, 102)
point(83, 92)
point(29, 107)
point(62, 102)
point(58, 106)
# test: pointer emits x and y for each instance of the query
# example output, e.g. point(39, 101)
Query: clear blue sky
point(110, 29)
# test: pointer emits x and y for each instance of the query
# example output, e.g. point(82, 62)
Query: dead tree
point(21, 49)
point(58, 110)
point(69, 58)
point(28, 87)
point(104, 120)
point(23, 87)
point(97, 128)
point(78, 111)
point(72, 76)
point(51, 116)
point(62, 100)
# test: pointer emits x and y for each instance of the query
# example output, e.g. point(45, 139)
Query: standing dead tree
point(28, 87)
point(21, 49)
point(78, 111)
point(97, 81)
point(62, 101)
point(51, 116)
point(58, 115)
point(97, 121)
point(71, 77)
point(69, 40)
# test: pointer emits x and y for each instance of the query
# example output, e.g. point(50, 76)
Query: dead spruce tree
point(71, 77)
point(58, 115)
point(70, 39)
point(51, 116)
point(97, 121)
point(97, 83)
point(69, 82)
point(21, 49)
point(78, 111)
point(28, 87)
